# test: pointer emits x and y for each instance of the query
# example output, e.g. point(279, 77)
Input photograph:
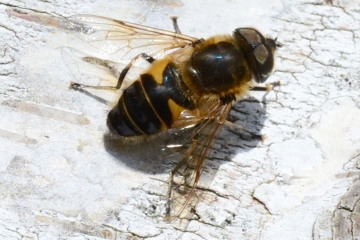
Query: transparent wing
point(183, 193)
point(123, 39)
point(90, 69)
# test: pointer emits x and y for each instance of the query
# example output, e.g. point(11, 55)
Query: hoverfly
point(192, 85)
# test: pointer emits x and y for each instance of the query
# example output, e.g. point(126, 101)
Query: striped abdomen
point(148, 106)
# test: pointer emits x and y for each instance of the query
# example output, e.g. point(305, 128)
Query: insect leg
point(123, 73)
point(268, 87)
point(150, 59)
point(175, 24)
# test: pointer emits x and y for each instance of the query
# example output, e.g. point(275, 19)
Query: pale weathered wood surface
point(59, 181)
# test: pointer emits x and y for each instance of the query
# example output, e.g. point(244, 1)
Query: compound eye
point(261, 54)
point(252, 36)
point(258, 50)
point(264, 61)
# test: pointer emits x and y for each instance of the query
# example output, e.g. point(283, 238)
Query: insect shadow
point(152, 156)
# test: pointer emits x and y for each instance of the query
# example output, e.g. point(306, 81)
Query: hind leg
point(78, 86)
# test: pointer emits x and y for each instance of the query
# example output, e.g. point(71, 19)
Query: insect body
point(191, 86)
point(218, 70)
